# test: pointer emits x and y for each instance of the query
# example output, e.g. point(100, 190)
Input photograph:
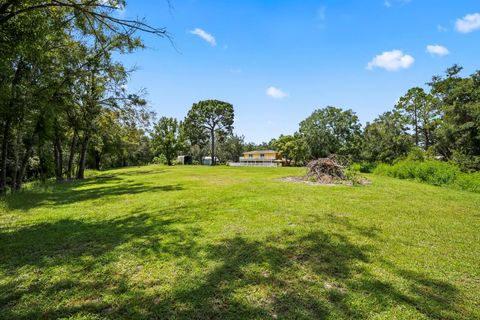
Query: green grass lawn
point(236, 243)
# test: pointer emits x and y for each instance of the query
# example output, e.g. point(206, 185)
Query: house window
point(262, 155)
point(250, 155)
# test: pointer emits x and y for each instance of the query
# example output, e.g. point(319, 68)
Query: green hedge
point(433, 172)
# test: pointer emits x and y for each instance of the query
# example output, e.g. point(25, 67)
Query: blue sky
point(278, 61)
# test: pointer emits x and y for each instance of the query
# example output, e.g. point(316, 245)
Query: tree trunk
point(428, 138)
point(415, 120)
point(83, 157)
point(8, 124)
point(16, 159)
point(98, 158)
point(23, 166)
point(212, 136)
point(42, 163)
point(58, 154)
point(4, 156)
point(71, 156)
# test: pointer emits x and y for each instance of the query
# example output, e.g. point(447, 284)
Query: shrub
point(469, 182)
point(466, 163)
point(353, 174)
point(161, 159)
point(363, 167)
point(433, 172)
point(416, 154)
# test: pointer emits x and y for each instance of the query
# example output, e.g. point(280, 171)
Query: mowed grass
point(237, 243)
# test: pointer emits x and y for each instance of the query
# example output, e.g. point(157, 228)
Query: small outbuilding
point(185, 160)
point(207, 161)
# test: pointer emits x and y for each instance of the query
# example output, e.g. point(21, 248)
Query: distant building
point(184, 160)
point(207, 161)
point(259, 158)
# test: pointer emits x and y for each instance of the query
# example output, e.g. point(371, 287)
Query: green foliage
point(293, 149)
point(458, 133)
point(353, 174)
point(468, 163)
point(432, 172)
point(417, 154)
point(420, 111)
point(330, 131)
point(63, 97)
point(168, 139)
point(160, 159)
point(367, 167)
point(230, 148)
point(208, 119)
point(285, 146)
point(468, 181)
point(386, 139)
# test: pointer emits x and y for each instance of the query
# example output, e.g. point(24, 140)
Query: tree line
point(442, 121)
point(65, 106)
point(64, 103)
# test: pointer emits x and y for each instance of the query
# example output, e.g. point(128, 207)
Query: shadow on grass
point(312, 275)
point(63, 193)
point(78, 256)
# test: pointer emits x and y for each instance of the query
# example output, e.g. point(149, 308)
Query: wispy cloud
point(235, 70)
point(275, 93)
point(391, 61)
point(441, 28)
point(390, 3)
point(437, 50)
point(205, 36)
point(468, 23)
point(322, 13)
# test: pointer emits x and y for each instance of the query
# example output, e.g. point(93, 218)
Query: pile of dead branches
point(326, 170)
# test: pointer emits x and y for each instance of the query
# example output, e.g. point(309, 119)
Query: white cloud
point(469, 23)
point(438, 50)
point(275, 93)
point(391, 61)
point(205, 36)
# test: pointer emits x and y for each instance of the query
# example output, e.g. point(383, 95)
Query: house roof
point(260, 151)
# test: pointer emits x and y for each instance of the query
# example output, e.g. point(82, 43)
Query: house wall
point(268, 155)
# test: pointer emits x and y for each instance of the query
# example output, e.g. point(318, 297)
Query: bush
point(365, 167)
point(465, 162)
point(417, 154)
point(159, 160)
point(469, 182)
point(353, 174)
point(433, 172)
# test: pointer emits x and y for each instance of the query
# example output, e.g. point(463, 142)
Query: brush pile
point(326, 170)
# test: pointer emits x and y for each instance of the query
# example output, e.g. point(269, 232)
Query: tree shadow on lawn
point(310, 275)
point(314, 276)
point(79, 255)
point(76, 191)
